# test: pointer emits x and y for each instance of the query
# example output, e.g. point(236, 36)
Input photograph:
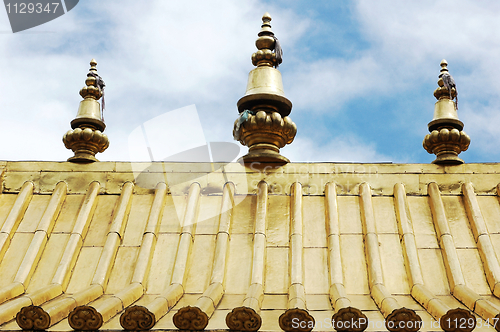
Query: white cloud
point(481, 124)
point(416, 35)
point(325, 85)
point(420, 29)
point(339, 149)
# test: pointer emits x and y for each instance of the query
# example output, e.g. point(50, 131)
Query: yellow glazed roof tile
point(119, 252)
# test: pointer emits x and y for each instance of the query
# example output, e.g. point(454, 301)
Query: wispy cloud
point(339, 149)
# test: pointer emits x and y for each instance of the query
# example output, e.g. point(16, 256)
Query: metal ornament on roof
point(447, 138)
point(264, 125)
point(86, 137)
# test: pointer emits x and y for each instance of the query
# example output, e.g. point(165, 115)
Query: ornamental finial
point(447, 138)
point(86, 137)
point(264, 125)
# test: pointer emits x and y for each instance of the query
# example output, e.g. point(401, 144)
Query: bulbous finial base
point(265, 133)
point(446, 144)
point(85, 143)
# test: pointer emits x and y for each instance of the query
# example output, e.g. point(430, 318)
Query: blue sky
point(360, 74)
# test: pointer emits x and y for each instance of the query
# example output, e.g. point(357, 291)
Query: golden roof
point(201, 246)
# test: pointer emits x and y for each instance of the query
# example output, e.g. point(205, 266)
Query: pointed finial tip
point(93, 62)
point(444, 66)
point(266, 17)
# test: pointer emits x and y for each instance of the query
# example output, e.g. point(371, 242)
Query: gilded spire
point(447, 138)
point(86, 137)
point(264, 125)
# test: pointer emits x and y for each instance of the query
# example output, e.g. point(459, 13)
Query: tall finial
point(264, 125)
point(86, 138)
point(447, 138)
